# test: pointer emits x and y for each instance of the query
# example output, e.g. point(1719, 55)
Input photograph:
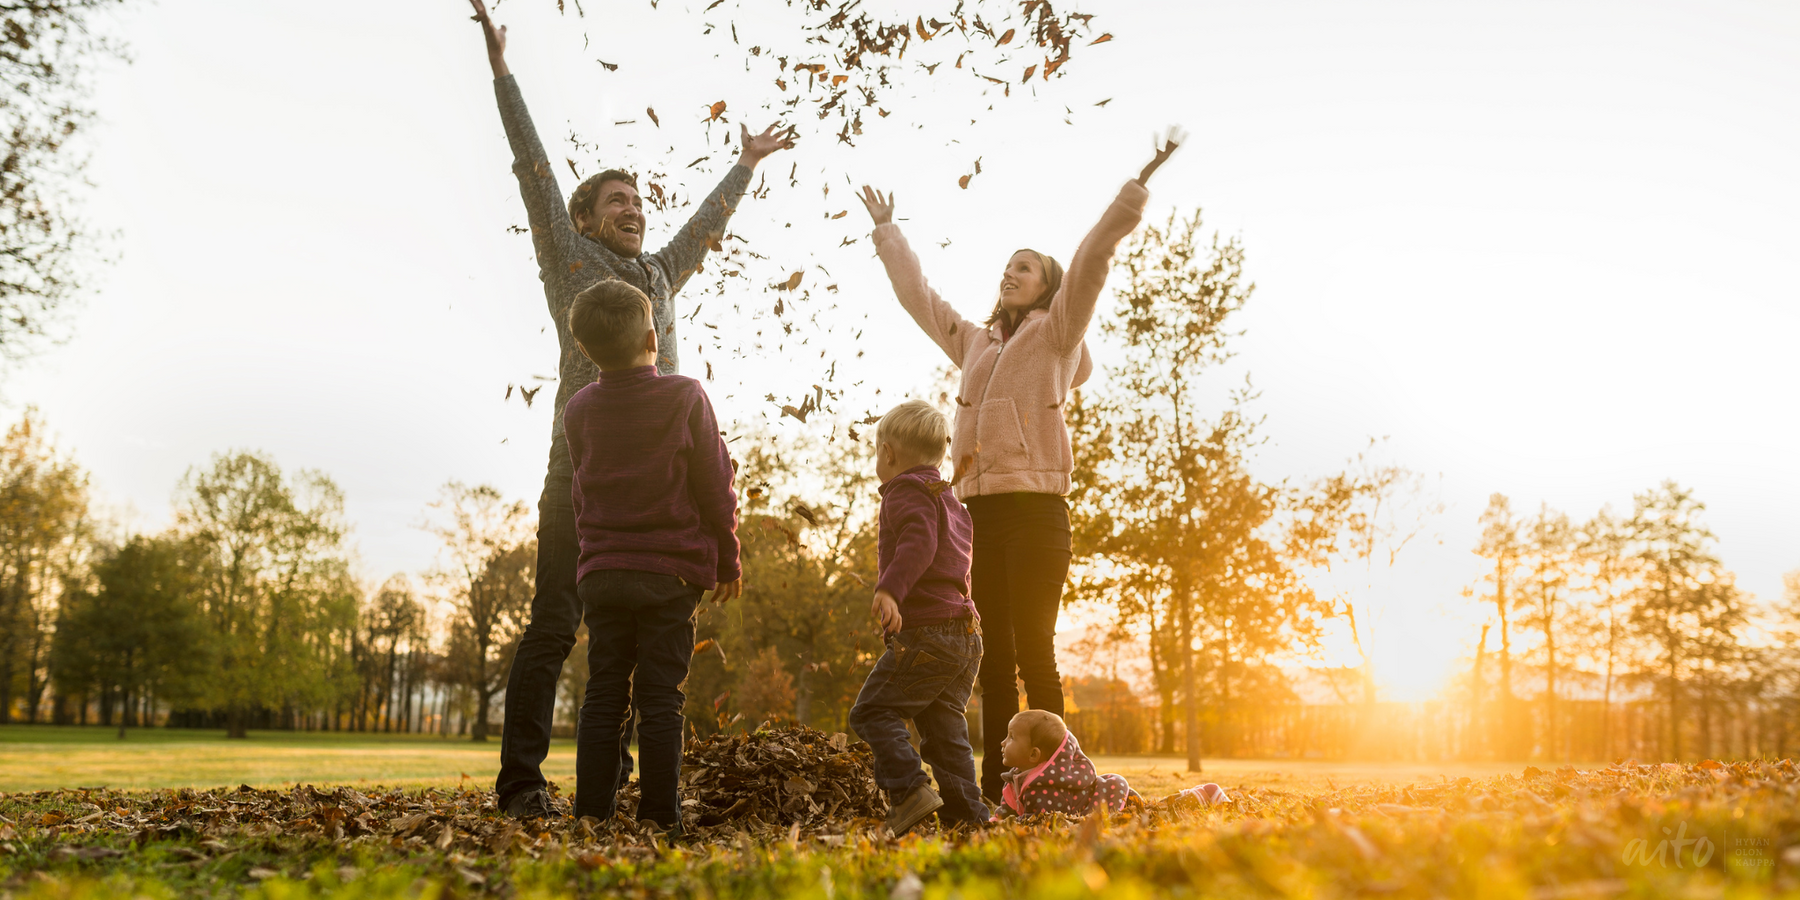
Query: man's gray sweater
point(569, 263)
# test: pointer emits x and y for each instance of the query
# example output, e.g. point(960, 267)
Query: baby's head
point(1032, 737)
point(613, 326)
point(911, 434)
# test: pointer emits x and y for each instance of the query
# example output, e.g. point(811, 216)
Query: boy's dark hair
point(581, 201)
point(609, 321)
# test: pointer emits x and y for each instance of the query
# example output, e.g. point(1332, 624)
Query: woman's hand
point(1175, 138)
point(759, 146)
point(496, 39)
point(879, 205)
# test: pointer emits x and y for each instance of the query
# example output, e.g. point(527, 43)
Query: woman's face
point(1022, 284)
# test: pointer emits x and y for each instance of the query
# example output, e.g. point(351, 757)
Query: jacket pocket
point(1000, 435)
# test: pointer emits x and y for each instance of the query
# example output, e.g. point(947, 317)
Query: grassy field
point(34, 758)
point(1294, 829)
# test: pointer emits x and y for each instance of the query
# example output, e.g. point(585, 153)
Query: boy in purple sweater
point(657, 524)
point(933, 641)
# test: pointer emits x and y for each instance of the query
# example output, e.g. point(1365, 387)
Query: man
point(595, 235)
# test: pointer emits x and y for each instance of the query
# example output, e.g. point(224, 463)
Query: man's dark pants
point(640, 641)
point(926, 675)
point(537, 666)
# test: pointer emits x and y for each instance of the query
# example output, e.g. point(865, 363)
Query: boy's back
point(652, 485)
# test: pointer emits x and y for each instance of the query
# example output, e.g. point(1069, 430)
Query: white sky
point(1547, 249)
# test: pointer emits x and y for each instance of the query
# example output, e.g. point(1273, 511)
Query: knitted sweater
point(1009, 433)
point(569, 263)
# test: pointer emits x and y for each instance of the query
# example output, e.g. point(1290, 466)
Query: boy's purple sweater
point(923, 548)
point(652, 478)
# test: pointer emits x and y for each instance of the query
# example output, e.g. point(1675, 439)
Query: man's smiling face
point(617, 219)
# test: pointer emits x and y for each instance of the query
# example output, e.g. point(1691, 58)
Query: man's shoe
point(911, 810)
point(531, 805)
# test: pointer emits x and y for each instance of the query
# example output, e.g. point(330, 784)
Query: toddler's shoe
point(912, 809)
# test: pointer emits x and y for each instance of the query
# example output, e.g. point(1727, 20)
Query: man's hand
point(886, 612)
point(757, 147)
point(496, 39)
point(879, 205)
point(1175, 138)
point(728, 591)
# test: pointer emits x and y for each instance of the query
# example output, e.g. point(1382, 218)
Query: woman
point(1010, 446)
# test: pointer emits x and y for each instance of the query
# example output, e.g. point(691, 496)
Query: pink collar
point(1011, 797)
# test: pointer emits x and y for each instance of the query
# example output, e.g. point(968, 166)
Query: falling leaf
point(801, 510)
point(1029, 71)
point(1005, 38)
point(1104, 102)
point(718, 109)
point(653, 119)
point(1101, 39)
point(610, 67)
point(529, 394)
point(963, 182)
point(792, 282)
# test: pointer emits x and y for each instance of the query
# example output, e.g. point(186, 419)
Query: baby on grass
point(1047, 772)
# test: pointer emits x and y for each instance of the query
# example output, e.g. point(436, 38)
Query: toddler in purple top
point(933, 643)
point(657, 523)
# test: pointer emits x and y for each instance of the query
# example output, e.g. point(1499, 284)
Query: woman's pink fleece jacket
point(1009, 433)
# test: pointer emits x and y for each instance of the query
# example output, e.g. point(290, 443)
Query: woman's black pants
point(1021, 561)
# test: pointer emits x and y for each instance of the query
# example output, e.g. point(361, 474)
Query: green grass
point(50, 757)
point(43, 757)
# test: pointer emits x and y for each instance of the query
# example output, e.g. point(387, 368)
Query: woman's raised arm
point(950, 331)
point(1073, 310)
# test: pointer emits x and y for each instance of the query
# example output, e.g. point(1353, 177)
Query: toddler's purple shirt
point(923, 548)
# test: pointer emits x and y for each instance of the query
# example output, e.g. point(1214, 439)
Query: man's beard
point(613, 239)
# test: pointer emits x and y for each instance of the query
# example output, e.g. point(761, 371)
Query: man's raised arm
point(683, 253)
point(552, 234)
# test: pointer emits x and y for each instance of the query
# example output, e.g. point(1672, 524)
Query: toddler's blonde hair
point(916, 429)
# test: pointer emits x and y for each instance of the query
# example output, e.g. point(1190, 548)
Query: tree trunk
point(1478, 721)
point(485, 693)
point(1189, 684)
point(237, 724)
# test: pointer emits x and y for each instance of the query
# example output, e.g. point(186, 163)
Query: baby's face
point(1016, 751)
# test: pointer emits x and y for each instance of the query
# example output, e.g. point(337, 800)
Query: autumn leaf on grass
point(718, 109)
point(653, 119)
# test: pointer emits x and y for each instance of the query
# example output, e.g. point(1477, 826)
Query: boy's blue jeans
point(926, 675)
point(640, 641)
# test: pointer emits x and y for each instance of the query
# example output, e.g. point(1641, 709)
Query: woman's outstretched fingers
point(880, 207)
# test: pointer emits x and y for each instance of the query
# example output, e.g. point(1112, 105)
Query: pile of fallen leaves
point(783, 776)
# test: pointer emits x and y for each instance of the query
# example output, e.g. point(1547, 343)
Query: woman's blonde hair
point(1053, 274)
point(917, 429)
